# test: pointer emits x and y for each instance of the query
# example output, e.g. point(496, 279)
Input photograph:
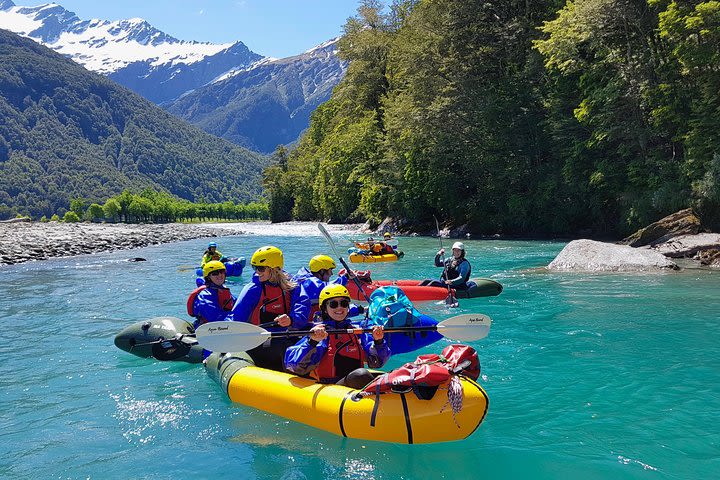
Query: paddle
point(241, 336)
point(350, 273)
point(179, 346)
point(186, 268)
point(450, 299)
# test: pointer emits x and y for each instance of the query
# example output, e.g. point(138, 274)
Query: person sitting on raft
point(337, 358)
point(316, 276)
point(211, 302)
point(212, 253)
point(271, 298)
point(456, 271)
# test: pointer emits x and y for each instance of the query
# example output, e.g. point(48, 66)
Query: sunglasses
point(336, 303)
point(259, 268)
point(217, 272)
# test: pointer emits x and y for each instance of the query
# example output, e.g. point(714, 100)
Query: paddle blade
point(330, 241)
point(465, 328)
point(451, 301)
point(230, 336)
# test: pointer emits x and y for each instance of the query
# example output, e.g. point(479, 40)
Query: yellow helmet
point(267, 256)
point(333, 290)
point(387, 235)
point(212, 266)
point(321, 262)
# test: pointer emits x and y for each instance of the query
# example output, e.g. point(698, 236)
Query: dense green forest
point(158, 207)
point(68, 133)
point(590, 117)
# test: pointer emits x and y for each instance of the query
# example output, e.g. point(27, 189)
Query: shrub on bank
point(71, 217)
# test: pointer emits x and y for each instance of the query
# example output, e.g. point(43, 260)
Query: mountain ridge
point(70, 133)
point(182, 75)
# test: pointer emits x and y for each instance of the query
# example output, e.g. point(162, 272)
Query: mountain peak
point(6, 4)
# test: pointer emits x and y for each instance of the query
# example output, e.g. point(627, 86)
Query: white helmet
point(459, 245)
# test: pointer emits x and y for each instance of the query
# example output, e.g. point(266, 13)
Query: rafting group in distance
point(283, 333)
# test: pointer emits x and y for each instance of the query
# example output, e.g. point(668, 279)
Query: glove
point(360, 309)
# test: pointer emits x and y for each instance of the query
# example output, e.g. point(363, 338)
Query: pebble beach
point(27, 241)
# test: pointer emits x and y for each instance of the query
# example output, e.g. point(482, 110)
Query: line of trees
point(543, 117)
point(160, 207)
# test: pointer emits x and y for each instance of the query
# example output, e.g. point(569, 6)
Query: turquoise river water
point(592, 376)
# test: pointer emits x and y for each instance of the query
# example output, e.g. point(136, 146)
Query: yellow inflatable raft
point(400, 417)
point(360, 258)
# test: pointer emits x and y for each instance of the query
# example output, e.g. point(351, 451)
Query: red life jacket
point(224, 298)
point(274, 301)
point(339, 345)
point(191, 299)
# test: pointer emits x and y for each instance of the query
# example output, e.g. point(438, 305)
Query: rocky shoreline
point(676, 241)
point(26, 241)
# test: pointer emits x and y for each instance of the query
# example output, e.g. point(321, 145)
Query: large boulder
point(592, 256)
point(684, 222)
point(688, 246)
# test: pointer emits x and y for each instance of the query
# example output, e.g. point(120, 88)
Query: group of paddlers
point(310, 302)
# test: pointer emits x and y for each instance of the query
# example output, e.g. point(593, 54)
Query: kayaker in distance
point(272, 296)
point(213, 301)
point(337, 358)
point(212, 253)
point(456, 271)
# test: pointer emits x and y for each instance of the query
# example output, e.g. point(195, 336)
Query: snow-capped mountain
point(283, 92)
point(225, 89)
point(131, 52)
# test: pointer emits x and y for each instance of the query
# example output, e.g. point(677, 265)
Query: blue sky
point(275, 28)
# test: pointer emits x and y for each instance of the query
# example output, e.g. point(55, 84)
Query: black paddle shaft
point(356, 331)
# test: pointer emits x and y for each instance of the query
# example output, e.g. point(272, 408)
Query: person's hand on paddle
point(441, 251)
point(377, 333)
point(283, 320)
point(318, 333)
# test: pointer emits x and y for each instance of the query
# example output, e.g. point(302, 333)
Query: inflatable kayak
point(479, 287)
point(400, 417)
point(233, 268)
point(164, 338)
point(366, 258)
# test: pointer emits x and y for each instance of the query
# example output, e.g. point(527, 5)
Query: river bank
point(28, 241)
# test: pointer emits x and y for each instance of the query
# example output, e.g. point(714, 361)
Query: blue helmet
point(212, 244)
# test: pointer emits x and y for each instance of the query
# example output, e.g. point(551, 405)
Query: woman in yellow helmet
point(272, 296)
point(212, 301)
point(316, 276)
point(337, 358)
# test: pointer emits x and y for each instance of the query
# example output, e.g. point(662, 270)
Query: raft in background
point(482, 287)
point(367, 258)
point(400, 417)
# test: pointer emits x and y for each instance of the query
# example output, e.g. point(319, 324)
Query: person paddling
point(338, 358)
point(272, 296)
point(213, 301)
point(457, 269)
point(212, 253)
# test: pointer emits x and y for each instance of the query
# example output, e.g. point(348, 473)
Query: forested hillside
point(514, 117)
point(67, 133)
